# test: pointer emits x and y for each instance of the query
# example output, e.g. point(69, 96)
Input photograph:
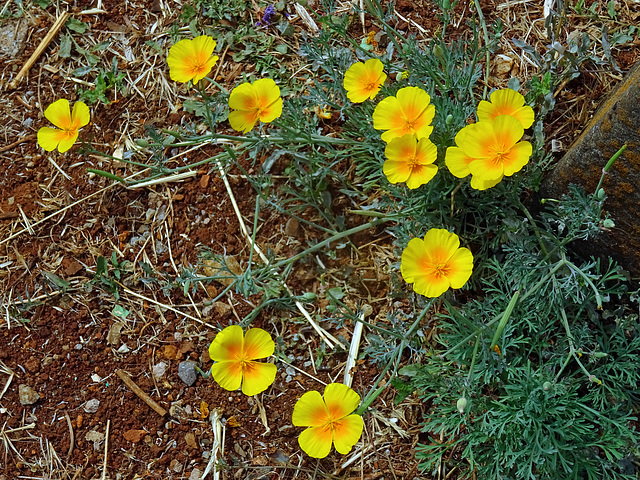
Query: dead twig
point(71, 436)
point(106, 446)
point(55, 28)
point(24, 139)
point(138, 391)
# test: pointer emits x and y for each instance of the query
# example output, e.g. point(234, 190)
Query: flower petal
point(347, 432)
point(440, 245)
point(457, 162)
point(479, 184)
point(272, 111)
point(421, 175)
point(49, 138)
point(227, 374)
point(258, 344)
point(257, 377)
point(70, 138)
point(396, 171)
point(59, 113)
point(228, 345)
point(316, 441)
point(340, 400)
point(243, 97)
point(80, 115)
point(506, 102)
point(517, 158)
point(242, 120)
point(388, 115)
point(310, 411)
point(460, 267)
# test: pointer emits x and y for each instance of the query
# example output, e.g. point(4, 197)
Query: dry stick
point(55, 28)
point(71, 436)
point(326, 336)
point(25, 139)
point(138, 391)
point(106, 445)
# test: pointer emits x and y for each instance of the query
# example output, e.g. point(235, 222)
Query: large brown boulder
point(616, 122)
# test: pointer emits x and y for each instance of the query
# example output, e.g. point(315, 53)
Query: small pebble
point(159, 370)
point(187, 373)
point(28, 396)
point(195, 474)
point(92, 405)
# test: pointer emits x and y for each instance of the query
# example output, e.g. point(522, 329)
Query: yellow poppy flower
point(191, 59)
point(363, 80)
point(234, 354)
point(436, 263)
point(457, 161)
point(408, 112)
point(506, 102)
point(255, 101)
point(410, 160)
point(330, 420)
point(59, 113)
point(495, 148)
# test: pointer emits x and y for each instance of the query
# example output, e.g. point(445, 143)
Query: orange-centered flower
point(235, 355)
point(410, 160)
point(408, 112)
point(255, 101)
point(59, 113)
point(496, 149)
point(330, 420)
point(506, 102)
point(191, 59)
point(436, 263)
point(457, 161)
point(363, 80)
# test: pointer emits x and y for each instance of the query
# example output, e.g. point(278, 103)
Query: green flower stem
point(503, 321)
point(374, 392)
point(609, 164)
point(329, 240)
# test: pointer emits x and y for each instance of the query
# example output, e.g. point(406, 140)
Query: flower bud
point(594, 379)
point(599, 354)
point(141, 142)
point(546, 386)
point(449, 119)
point(600, 194)
point(461, 404)
point(309, 297)
point(438, 52)
point(608, 223)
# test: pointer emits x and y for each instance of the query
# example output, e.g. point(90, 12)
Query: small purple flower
point(268, 15)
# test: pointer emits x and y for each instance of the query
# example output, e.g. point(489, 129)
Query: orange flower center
point(413, 162)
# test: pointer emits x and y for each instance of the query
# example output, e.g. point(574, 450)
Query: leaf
point(65, 46)
point(76, 25)
point(102, 173)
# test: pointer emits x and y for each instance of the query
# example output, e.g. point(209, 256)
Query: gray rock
point(614, 124)
point(28, 396)
point(187, 373)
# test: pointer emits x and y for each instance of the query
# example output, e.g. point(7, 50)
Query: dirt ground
point(67, 343)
